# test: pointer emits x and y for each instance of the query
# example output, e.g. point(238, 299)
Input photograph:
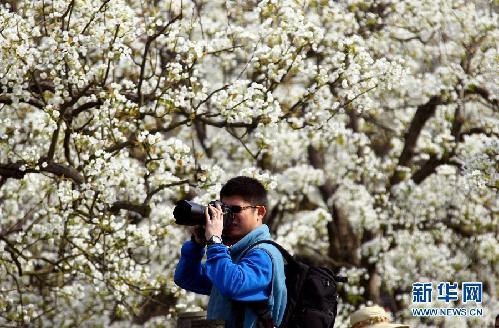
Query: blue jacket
point(225, 276)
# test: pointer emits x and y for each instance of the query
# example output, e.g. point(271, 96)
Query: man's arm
point(190, 273)
point(249, 280)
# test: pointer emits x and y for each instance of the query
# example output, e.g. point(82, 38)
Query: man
point(234, 273)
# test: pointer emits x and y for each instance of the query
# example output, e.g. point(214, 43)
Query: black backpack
point(312, 295)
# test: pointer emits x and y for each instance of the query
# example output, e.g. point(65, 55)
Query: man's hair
point(249, 189)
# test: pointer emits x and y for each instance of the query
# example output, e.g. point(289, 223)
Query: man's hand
point(215, 222)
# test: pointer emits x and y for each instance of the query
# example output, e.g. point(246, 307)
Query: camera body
point(191, 214)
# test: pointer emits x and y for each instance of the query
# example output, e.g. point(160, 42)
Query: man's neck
point(229, 242)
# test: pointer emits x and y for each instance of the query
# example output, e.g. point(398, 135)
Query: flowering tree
point(374, 125)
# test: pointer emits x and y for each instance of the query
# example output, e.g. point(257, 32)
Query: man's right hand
point(198, 235)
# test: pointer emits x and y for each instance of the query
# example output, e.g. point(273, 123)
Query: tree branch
point(483, 131)
point(162, 187)
point(53, 142)
point(149, 41)
point(116, 147)
point(13, 170)
point(7, 101)
point(93, 16)
point(484, 93)
point(223, 124)
point(423, 113)
point(69, 115)
point(172, 126)
point(109, 60)
point(142, 209)
point(429, 167)
point(11, 250)
point(317, 160)
point(343, 242)
point(67, 151)
point(154, 306)
point(209, 96)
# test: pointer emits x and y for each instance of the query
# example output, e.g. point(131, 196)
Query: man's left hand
point(214, 222)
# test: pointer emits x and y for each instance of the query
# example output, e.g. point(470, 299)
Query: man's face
point(243, 222)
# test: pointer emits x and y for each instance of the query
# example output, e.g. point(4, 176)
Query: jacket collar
point(262, 232)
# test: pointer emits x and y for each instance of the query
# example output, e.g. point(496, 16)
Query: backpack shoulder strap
point(260, 307)
point(288, 257)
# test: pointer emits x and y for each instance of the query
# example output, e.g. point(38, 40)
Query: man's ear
point(262, 210)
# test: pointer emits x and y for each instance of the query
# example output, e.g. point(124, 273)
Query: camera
point(190, 214)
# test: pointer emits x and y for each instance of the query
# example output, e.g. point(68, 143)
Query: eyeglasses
point(237, 208)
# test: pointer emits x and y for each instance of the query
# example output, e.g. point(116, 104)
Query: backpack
point(312, 299)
